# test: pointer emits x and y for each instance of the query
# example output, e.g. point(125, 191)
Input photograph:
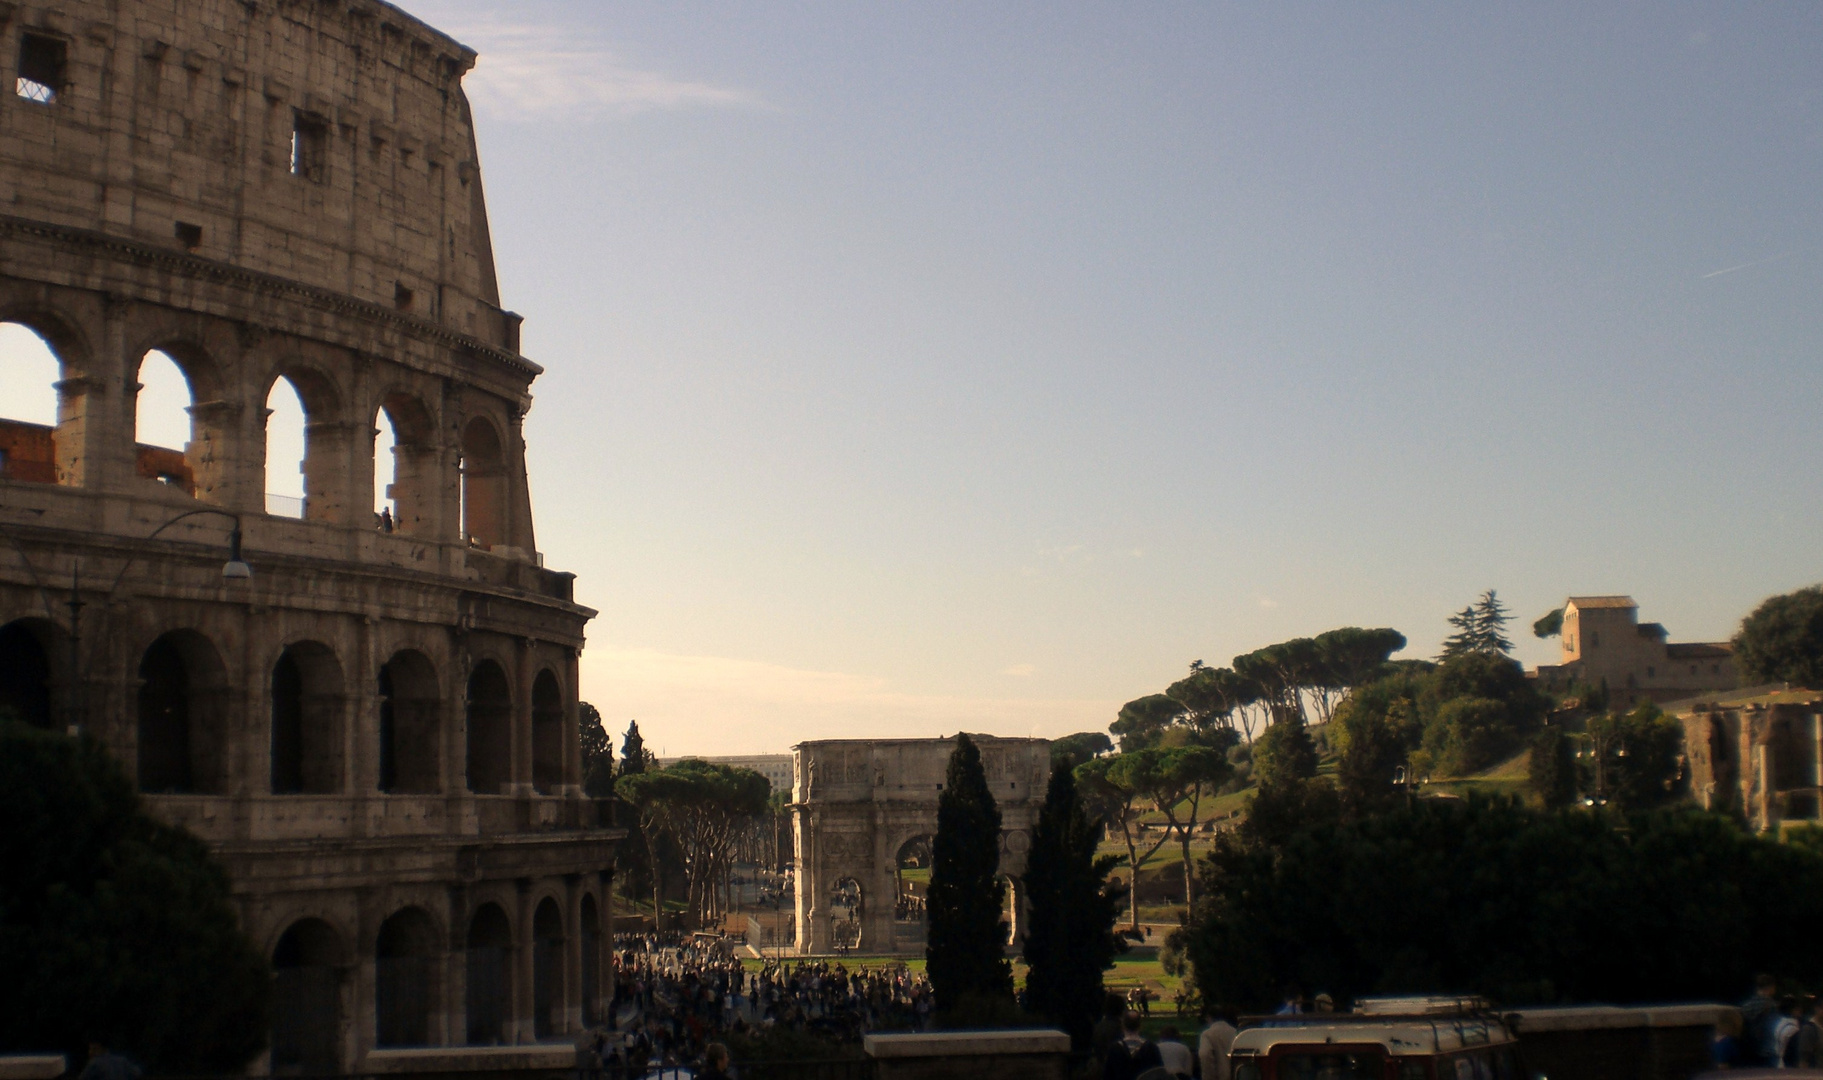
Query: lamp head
point(236, 568)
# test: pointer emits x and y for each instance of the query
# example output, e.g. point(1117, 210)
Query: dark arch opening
point(307, 1000)
point(409, 728)
point(591, 963)
point(490, 976)
point(307, 706)
point(483, 485)
point(547, 733)
point(182, 713)
point(405, 979)
point(25, 672)
point(490, 724)
point(547, 970)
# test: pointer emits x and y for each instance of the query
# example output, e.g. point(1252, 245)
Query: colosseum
point(365, 697)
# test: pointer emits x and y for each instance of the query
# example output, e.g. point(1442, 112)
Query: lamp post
point(235, 569)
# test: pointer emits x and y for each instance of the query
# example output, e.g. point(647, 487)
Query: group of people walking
point(1772, 1031)
point(673, 999)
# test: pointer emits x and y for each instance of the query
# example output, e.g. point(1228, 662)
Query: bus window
point(1331, 1065)
point(1247, 1070)
point(1413, 1069)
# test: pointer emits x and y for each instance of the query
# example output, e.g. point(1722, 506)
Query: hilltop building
point(374, 728)
point(1605, 645)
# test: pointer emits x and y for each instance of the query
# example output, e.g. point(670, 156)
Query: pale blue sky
point(921, 367)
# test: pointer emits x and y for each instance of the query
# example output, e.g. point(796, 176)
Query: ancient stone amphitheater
point(372, 722)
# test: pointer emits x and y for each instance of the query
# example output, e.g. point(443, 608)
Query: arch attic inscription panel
point(375, 729)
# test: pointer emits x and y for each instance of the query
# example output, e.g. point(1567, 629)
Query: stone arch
point(483, 483)
point(547, 733)
point(490, 729)
point(409, 485)
point(167, 448)
point(307, 967)
point(26, 665)
point(547, 969)
point(847, 913)
point(489, 982)
point(590, 931)
point(308, 699)
point(323, 464)
point(405, 978)
point(911, 873)
point(51, 449)
point(182, 716)
point(411, 712)
point(30, 372)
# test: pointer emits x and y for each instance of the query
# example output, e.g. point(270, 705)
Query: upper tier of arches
point(256, 423)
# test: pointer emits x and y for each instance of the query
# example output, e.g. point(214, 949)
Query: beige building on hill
point(371, 721)
point(1604, 644)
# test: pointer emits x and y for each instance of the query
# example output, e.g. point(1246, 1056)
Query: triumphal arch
point(364, 700)
point(863, 812)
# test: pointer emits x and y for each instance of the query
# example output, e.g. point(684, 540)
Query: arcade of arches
point(266, 529)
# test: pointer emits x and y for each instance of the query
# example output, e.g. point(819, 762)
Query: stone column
point(521, 766)
point(572, 954)
point(519, 1029)
point(455, 969)
point(572, 734)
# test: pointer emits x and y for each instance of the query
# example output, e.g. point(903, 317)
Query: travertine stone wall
point(377, 729)
point(856, 802)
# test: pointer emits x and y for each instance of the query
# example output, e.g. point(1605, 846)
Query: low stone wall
point(31, 1066)
point(1669, 1042)
point(1041, 1054)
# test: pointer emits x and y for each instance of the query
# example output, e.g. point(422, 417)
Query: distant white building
point(774, 767)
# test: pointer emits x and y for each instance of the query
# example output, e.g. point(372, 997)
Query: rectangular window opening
point(41, 68)
point(190, 236)
point(309, 147)
point(401, 296)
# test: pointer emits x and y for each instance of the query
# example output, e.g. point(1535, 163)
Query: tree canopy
point(597, 752)
point(704, 807)
point(966, 945)
point(1485, 896)
point(113, 925)
point(1782, 640)
point(1070, 938)
point(1073, 750)
point(1480, 628)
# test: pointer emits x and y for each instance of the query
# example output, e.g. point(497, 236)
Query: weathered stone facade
point(376, 731)
point(1763, 763)
point(857, 802)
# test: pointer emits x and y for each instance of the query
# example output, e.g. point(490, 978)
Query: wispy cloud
point(1743, 266)
point(723, 705)
point(545, 70)
point(1020, 671)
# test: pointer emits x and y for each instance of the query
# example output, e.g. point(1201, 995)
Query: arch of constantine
point(371, 719)
point(858, 805)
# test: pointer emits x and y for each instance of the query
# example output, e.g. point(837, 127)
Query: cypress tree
point(966, 950)
point(1070, 937)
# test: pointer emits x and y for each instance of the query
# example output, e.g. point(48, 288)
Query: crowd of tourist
point(675, 996)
